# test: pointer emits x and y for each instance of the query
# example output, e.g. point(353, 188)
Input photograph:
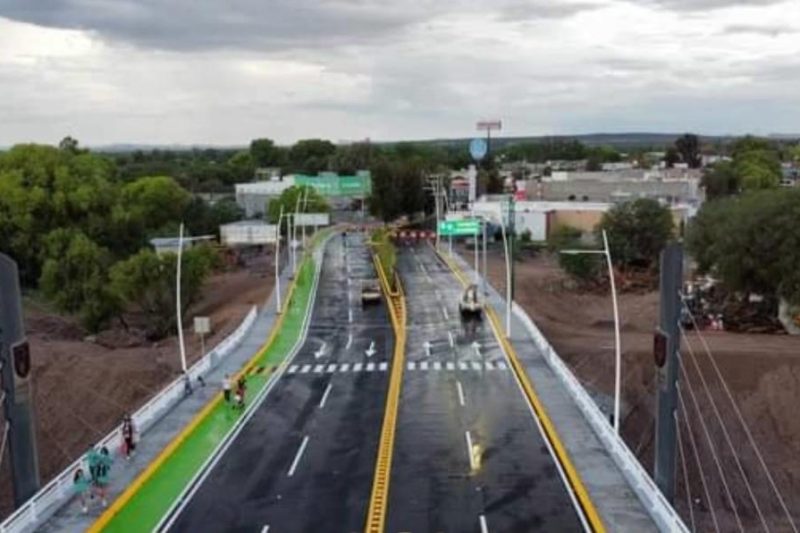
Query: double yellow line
point(379, 499)
point(575, 481)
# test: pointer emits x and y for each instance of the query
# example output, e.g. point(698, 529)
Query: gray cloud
point(704, 5)
point(772, 30)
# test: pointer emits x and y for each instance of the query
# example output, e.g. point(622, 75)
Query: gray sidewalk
point(619, 507)
point(70, 518)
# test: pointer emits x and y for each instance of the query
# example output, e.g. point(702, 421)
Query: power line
point(725, 432)
point(742, 421)
point(685, 472)
point(696, 454)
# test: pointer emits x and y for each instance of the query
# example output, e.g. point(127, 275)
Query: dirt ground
point(82, 388)
point(762, 373)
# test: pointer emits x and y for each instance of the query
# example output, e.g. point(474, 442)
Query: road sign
point(202, 324)
point(477, 149)
point(455, 228)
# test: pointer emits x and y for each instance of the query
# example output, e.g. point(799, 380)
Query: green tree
point(637, 232)
point(307, 196)
point(264, 153)
point(688, 146)
point(75, 277)
point(310, 156)
point(721, 180)
point(582, 267)
point(672, 157)
point(146, 281)
point(758, 169)
point(383, 200)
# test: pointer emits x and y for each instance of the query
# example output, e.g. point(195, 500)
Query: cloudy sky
point(223, 72)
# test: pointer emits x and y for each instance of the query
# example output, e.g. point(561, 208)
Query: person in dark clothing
point(128, 436)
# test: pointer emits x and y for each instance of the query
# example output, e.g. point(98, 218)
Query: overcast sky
point(224, 72)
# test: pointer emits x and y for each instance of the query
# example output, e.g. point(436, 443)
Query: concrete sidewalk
point(619, 507)
point(70, 518)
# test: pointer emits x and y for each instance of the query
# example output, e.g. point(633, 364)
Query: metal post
point(617, 340)
point(508, 277)
point(178, 312)
point(17, 387)
point(436, 206)
point(512, 236)
point(477, 270)
point(667, 371)
point(485, 271)
point(277, 264)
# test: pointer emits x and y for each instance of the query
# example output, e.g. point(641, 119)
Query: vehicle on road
point(470, 303)
point(370, 292)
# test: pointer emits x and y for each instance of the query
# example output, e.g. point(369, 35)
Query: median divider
point(157, 488)
point(379, 498)
point(562, 456)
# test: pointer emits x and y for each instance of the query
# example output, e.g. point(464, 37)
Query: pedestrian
point(226, 388)
point(92, 459)
point(241, 387)
point(129, 436)
point(102, 475)
point(81, 484)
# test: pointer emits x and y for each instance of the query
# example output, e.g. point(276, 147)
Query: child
point(80, 484)
point(226, 388)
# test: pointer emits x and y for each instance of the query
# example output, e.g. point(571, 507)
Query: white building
point(253, 197)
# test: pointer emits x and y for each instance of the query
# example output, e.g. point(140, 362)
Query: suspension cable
point(696, 454)
point(685, 471)
point(725, 432)
point(711, 447)
point(741, 419)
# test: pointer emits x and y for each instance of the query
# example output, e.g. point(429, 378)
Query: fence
point(55, 493)
point(664, 515)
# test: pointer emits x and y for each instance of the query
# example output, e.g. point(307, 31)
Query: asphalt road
point(305, 460)
point(468, 454)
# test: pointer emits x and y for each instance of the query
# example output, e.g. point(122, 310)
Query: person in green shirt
point(81, 483)
point(102, 473)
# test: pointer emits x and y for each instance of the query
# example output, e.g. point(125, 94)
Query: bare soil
point(761, 371)
point(83, 386)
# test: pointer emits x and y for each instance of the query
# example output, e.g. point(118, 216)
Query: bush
point(387, 253)
point(637, 232)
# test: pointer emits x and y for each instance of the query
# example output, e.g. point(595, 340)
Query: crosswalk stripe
point(489, 365)
point(305, 369)
point(370, 367)
point(331, 368)
point(383, 366)
point(437, 365)
point(502, 366)
point(319, 368)
point(293, 369)
point(344, 367)
point(423, 365)
point(462, 365)
point(476, 365)
point(451, 365)
point(412, 365)
point(357, 367)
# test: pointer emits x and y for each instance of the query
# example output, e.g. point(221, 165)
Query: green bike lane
point(151, 495)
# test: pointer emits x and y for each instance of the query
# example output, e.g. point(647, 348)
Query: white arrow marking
point(427, 346)
point(452, 340)
point(319, 353)
point(371, 351)
point(477, 347)
point(349, 341)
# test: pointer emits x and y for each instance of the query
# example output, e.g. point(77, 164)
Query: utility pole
point(666, 346)
point(17, 394)
point(512, 238)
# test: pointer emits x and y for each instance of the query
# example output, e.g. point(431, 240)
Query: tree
point(758, 169)
point(582, 267)
point(308, 196)
point(204, 219)
point(672, 157)
point(383, 200)
point(411, 187)
point(350, 158)
point(75, 277)
point(688, 146)
point(264, 153)
point(637, 232)
point(147, 282)
point(751, 243)
point(310, 156)
point(720, 181)
point(148, 207)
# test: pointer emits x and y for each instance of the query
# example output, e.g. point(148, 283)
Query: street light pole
point(181, 345)
point(277, 264)
point(606, 251)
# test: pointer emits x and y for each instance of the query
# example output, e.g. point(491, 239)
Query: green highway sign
point(467, 226)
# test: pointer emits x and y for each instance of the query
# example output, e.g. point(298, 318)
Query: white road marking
point(319, 353)
point(502, 366)
point(265, 529)
point(350, 315)
point(422, 267)
point(437, 365)
point(371, 350)
point(305, 369)
point(452, 340)
point(325, 396)
point(383, 366)
point(331, 368)
point(489, 365)
point(412, 365)
point(476, 366)
point(298, 456)
point(427, 346)
point(344, 367)
point(370, 367)
point(460, 393)
point(462, 365)
point(319, 368)
point(349, 341)
point(472, 464)
point(292, 369)
point(423, 365)
point(444, 312)
point(357, 367)
point(451, 365)
point(484, 525)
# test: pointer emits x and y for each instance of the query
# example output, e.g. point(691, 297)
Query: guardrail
point(662, 512)
point(58, 490)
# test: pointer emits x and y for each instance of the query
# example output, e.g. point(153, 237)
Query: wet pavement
point(468, 454)
point(305, 460)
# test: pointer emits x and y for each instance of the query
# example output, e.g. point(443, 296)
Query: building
point(169, 245)
point(254, 197)
point(248, 232)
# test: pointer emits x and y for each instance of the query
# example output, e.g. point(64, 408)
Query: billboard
point(248, 233)
point(467, 226)
point(312, 219)
point(332, 185)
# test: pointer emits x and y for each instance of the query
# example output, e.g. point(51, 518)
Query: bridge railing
point(58, 490)
point(665, 516)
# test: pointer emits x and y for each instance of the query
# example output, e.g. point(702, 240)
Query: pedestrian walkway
point(70, 517)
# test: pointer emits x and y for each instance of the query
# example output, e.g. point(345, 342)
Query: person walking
point(128, 437)
point(241, 388)
point(103, 474)
point(226, 388)
point(81, 484)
